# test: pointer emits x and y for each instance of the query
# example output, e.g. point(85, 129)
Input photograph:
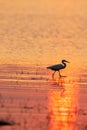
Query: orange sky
point(44, 6)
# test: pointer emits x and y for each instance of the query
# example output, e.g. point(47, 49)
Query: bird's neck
point(64, 64)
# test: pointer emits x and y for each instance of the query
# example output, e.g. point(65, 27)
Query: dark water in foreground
point(30, 99)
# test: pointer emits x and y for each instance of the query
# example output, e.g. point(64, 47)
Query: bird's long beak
point(67, 61)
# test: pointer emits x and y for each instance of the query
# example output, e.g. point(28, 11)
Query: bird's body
point(58, 67)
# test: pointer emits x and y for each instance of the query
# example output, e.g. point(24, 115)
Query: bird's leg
point(59, 74)
point(53, 74)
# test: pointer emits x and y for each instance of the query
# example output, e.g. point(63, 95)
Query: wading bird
point(58, 67)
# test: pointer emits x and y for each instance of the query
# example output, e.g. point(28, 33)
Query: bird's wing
point(56, 67)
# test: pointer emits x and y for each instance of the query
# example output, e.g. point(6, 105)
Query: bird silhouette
point(58, 67)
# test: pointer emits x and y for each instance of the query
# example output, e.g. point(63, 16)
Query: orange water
point(29, 97)
point(41, 39)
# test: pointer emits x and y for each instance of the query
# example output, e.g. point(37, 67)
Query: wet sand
point(30, 99)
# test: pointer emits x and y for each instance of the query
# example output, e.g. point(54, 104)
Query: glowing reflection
point(62, 107)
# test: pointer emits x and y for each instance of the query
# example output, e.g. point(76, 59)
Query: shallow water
point(31, 99)
point(43, 39)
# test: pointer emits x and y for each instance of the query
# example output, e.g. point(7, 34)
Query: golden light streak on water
point(63, 105)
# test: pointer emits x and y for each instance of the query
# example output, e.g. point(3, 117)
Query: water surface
point(29, 97)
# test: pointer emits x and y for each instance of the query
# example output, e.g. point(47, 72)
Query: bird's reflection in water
point(62, 106)
point(59, 82)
